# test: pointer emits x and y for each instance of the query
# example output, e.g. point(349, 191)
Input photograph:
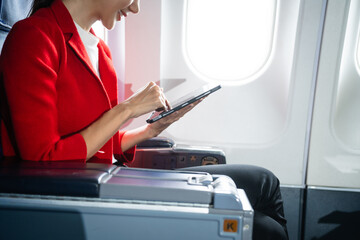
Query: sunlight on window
point(228, 40)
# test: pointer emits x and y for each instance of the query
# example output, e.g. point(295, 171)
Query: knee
point(265, 180)
point(263, 188)
point(269, 179)
point(266, 175)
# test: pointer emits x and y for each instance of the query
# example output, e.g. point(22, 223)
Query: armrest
point(157, 142)
point(163, 153)
point(53, 178)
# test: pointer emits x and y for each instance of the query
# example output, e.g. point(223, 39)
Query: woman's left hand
point(157, 127)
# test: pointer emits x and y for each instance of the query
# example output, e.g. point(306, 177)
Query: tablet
point(184, 101)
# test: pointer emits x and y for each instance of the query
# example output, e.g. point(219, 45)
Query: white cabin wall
point(142, 50)
point(265, 122)
point(299, 118)
point(335, 147)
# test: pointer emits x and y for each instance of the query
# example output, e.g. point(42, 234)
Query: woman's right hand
point(147, 99)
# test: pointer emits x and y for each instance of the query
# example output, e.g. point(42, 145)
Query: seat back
point(11, 11)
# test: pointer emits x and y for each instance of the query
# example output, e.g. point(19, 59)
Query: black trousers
point(262, 188)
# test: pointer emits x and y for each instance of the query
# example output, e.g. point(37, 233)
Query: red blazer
point(52, 91)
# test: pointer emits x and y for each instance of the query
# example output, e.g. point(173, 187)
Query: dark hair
point(37, 4)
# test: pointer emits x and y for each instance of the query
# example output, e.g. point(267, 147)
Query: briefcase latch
point(204, 180)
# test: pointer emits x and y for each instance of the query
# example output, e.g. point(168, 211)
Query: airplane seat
point(157, 149)
point(1, 151)
point(165, 153)
point(11, 11)
point(59, 193)
point(105, 201)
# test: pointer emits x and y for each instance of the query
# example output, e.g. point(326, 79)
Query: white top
point(90, 42)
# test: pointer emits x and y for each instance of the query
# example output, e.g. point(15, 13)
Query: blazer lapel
point(78, 47)
point(71, 34)
point(108, 73)
point(73, 39)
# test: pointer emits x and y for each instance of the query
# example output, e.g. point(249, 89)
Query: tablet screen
point(184, 101)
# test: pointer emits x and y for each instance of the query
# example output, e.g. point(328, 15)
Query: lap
point(262, 188)
point(253, 179)
point(265, 228)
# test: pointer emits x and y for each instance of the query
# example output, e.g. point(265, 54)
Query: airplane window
point(228, 40)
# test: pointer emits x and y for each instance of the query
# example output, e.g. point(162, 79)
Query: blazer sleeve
point(30, 64)
point(124, 157)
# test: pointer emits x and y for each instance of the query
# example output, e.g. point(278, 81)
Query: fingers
point(151, 85)
point(164, 123)
point(168, 104)
point(160, 99)
point(179, 114)
point(164, 101)
point(152, 97)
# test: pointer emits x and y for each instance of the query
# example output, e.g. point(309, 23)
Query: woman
point(59, 100)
